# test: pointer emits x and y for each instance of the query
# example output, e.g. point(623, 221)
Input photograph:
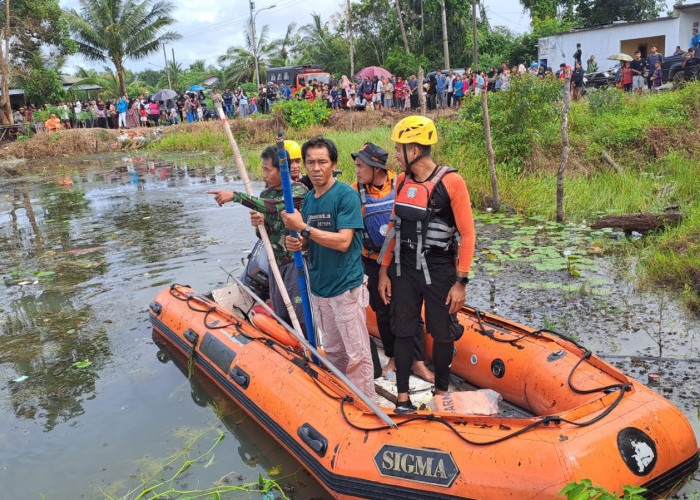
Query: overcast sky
point(209, 27)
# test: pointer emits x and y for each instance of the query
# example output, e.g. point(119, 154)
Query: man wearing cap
point(376, 187)
point(423, 264)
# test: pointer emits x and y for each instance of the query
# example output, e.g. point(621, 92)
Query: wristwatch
point(306, 231)
point(462, 280)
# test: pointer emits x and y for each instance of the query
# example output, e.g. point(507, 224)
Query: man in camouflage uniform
point(266, 208)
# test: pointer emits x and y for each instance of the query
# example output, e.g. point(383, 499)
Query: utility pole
point(475, 49)
point(253, 44)
point(445, 45)
point(167, 72)
point(352, 42)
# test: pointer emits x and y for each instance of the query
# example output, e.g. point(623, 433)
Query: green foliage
point(398, 62)
point(301, 114)
point(605, 100)
point(585, 489)
point(42, 84)
point(249, 88)
point(36, 25)
point(519, 118)
point(525, 46)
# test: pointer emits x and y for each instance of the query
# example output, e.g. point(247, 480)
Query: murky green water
point(86, 408)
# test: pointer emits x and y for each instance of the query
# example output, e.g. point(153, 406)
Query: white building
point(626, 37)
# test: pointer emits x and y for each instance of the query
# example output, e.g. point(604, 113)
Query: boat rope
point(491, 333)
point(607, 388)
point(554, 419)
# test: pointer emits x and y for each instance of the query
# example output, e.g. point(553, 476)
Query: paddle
point(261, 228)
point(298, 257)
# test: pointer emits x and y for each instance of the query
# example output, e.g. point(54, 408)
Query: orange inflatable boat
point(568, 415)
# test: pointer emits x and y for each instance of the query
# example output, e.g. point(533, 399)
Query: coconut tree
point(239, 62)
point(117, 30)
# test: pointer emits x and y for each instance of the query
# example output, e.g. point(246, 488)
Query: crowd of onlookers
point(442, 89)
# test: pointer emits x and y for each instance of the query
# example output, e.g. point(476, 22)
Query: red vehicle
point(296, 77)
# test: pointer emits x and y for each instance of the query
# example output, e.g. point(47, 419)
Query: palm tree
point(117, 30)
point(285, 46)
point(239, 62)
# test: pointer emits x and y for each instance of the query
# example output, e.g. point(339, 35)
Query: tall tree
point(597, 12)
point(403, 28)
point(28, 28)
point(239, 62)
point(118, 30)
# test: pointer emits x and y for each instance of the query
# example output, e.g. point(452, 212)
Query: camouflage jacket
point(271, 203)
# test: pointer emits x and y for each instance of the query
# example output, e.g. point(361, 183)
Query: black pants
point(382, 311)
point(408, 294)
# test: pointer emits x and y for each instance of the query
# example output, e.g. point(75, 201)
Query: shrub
point(301, 114)
point(605, 100)
point(527, 113)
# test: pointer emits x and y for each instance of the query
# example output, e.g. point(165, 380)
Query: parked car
point(673, 70)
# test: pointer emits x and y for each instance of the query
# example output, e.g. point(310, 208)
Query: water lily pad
point(70, 332)
point(82, 364)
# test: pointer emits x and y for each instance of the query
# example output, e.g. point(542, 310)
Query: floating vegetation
point(546, 246)
point(158, 481)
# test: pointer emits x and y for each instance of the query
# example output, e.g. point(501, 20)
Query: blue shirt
point(440, 87)
point(332, 272)
point(121, 105)
point(695, 41)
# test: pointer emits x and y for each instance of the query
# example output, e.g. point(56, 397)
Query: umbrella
point(194, 88)
point(621, 57)
point(164, 95)
point(371, 72)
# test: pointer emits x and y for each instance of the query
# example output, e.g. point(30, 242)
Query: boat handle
point(239, 376)
point(313, 439)
point(156, 307)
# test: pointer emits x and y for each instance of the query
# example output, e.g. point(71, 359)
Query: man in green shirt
point(266, 209)
point(330, 225)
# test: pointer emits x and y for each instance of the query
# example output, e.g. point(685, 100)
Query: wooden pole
point(564, 143)
point(495, 202)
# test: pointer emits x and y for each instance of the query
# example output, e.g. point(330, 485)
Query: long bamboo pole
point(243, 172)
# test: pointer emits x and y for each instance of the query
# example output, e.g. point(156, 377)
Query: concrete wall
point(603, 42)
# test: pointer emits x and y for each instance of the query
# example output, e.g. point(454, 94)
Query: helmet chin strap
point(415, 160)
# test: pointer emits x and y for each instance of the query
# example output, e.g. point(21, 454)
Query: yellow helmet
point(415, 129)
point(293, 149)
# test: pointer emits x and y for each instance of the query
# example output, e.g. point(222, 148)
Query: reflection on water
point(84, 246)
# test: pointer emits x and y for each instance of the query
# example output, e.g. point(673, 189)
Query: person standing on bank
point(330, 225)
point(376, 186)
point(422, 264)
point(266, 209)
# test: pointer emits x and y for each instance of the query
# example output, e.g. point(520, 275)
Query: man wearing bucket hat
point(423, 263)
point(376, 187)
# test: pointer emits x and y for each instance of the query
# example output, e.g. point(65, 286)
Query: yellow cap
point(415, 129)
point(293, 149)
